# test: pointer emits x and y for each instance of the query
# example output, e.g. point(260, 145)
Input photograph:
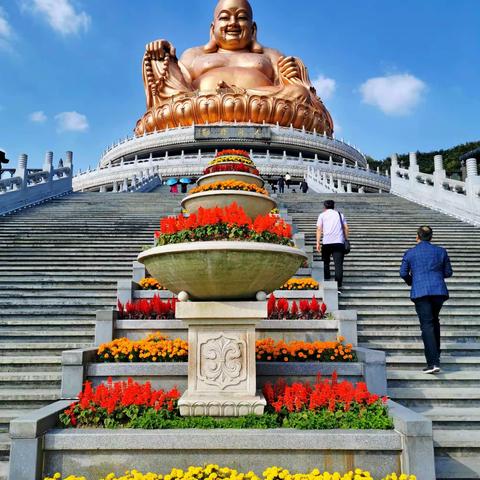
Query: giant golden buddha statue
point(231, 79)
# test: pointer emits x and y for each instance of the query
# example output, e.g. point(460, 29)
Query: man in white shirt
point(329, 226)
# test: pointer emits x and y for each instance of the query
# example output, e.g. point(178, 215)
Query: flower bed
point(153, 308)
point(211, 472)
point(149, 283)
point(269, 350)
point(159, 348)
point(155, 348)
point(300, 284)
point(327, 404)
point(280, 309)
point(229, 185)
point(231, 167)
point(229, 223)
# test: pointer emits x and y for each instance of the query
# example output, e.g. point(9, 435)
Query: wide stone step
point(452, 417)
point(457, 439)
point(27, 363)
point(33, 336)
point(441, 396)
point(447, 378)
point(40, 348)
point(7, 379)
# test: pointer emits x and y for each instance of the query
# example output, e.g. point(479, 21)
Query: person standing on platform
point(281, 185)
point(425, 268)
point(288, 178)
point(332, 232)
point(304, 186)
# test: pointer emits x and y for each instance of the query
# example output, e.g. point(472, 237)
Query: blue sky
point(397, 76)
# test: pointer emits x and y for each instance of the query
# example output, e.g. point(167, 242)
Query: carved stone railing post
point(439, 175)
point(21, 171)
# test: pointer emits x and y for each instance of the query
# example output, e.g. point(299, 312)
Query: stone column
point(221, 358)
point(21, 171)
point(472, 168)
point(349, 188)
point(69, 161)
point(439, 176)
point(413, 163)
point(48, 167)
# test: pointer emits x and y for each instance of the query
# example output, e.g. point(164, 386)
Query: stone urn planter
point(253, 203)
point(222, 270)
point(231, 175)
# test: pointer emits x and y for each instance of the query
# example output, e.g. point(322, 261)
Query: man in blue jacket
point(425, 268)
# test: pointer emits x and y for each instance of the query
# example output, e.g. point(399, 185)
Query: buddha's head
point(233, 27)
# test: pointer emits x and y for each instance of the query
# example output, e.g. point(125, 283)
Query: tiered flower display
point(226, 225)
point(229, 223)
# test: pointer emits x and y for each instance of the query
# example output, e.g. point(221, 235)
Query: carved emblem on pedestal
point(222, 361)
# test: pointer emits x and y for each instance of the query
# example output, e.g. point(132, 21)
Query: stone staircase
point(59, 263)
point(383, 227)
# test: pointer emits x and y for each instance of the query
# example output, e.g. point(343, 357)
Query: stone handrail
point(27, 188)
point(325, 177)
point(192, 165)
point(436, 191)
point(185, 135)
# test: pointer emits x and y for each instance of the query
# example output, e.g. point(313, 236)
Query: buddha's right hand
point(159, 49)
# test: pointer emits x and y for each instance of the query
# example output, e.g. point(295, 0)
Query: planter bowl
point(223, 176)
point(253, 203)
point(222, 270)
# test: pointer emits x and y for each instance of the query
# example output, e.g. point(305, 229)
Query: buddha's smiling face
point(233, 25)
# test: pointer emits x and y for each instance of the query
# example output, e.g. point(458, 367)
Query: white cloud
point(60, 14)
point(393, 94)
point(5, 28)
point(325, 87)
point(37, 117)
point(71, 122)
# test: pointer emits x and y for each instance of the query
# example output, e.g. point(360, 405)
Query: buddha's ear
point(256, 47)
point(211, 46)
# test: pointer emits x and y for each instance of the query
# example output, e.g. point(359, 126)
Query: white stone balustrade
point(27, 187)
point(436, 191)
point(325, 177)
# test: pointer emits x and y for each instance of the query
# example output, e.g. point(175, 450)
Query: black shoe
point(431, 369)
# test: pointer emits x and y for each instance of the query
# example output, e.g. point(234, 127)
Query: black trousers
point(428, 311)
point(337, 250)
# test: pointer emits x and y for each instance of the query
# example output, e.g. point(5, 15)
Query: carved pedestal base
point(221, 358)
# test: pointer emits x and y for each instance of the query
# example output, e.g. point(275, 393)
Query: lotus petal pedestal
point(221, 358)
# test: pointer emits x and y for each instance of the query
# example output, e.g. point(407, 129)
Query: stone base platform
point(39, 448)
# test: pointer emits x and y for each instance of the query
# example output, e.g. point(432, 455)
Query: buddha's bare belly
point(239, 76)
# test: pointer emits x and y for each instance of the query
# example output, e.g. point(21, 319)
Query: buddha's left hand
point(288, 68)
